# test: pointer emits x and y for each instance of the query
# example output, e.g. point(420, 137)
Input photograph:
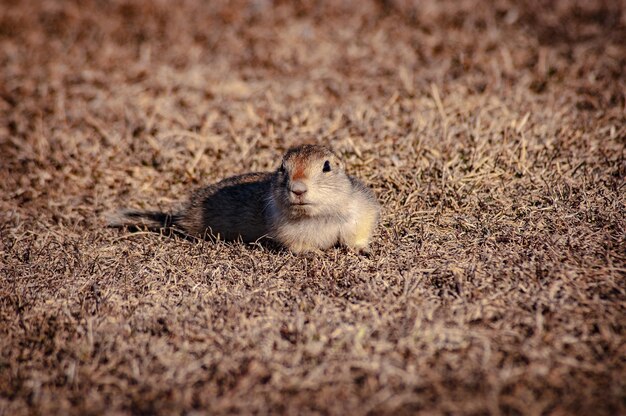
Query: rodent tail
point(137, 220)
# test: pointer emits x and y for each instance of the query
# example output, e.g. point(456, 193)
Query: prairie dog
point(307, 204)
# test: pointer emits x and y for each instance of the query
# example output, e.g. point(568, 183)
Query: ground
point(493, 134)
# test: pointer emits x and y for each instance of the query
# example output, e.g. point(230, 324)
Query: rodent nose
point(298, 187)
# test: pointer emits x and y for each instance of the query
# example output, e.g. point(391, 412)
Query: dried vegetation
point(492, 132)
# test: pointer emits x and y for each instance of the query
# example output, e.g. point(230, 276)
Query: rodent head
point(311, 181)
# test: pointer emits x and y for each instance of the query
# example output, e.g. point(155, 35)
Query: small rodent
point(309, 203)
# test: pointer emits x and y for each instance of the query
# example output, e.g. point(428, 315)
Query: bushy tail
point(141, 220)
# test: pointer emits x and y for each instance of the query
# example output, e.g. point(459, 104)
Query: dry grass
point(493, 133)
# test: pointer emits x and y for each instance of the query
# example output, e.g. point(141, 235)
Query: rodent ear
point(337, 163)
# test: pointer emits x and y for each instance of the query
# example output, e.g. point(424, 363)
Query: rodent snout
point(298, 188)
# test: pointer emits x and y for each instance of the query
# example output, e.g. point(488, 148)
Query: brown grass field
point(492, 132)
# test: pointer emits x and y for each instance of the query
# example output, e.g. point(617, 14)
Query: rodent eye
point(281, 169)
point(326, 166)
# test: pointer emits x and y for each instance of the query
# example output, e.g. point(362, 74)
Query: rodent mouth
point(298, 203)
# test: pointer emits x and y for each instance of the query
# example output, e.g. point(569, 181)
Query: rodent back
point(232, 208)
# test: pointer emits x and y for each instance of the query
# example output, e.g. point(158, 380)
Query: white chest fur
point(309, 233)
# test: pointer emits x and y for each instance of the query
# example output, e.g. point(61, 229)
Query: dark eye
point(326, 166)
point(281, 169)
